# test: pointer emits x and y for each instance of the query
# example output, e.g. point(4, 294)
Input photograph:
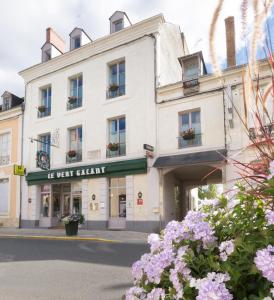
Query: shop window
point(4, 199)
point(4, 149)
point(76, 197)
point(76, 92)
point(117, 80)
point(116, 137)
point(189, 129)
point(56, 200)
point(117, 197)
point(45, 200)
point(74, 153)
point(44, 108)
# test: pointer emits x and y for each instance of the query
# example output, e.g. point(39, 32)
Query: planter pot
point(71, 228)
point(189, 137)
point(42, 108)
point(114, 88)
point(72, 99)
point(71, 154)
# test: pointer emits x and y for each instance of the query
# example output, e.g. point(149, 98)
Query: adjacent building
point(11, 111)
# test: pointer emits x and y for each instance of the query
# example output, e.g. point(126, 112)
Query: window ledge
point(115, 99)
point(75, 110)
point(44, 118)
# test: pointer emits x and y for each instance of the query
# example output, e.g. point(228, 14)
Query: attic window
point(118, 25)
point(191, 69)
point(6, 104)
point(76, 42)
point(47, 55)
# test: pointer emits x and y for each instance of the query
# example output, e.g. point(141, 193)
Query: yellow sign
point(19, 170)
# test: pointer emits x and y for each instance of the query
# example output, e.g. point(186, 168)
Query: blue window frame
point(45, 143)
point(76, 93)
point(117, 137)
point(44, 109)
point(117, 79)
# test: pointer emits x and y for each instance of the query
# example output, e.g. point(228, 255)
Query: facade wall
point(10, 121)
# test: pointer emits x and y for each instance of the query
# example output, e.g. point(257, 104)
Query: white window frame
point(7, 177)
point(8, 131)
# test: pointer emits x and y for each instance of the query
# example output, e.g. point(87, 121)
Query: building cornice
point(96, 47)
point(10, 113)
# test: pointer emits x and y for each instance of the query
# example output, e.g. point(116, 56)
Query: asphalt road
point(55, 270)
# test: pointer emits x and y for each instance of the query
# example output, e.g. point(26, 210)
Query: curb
point(62, 238)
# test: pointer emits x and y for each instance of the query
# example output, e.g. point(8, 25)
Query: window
point(44, 144)
point(47, 55)
point(4, 199)
point(44, 109)
point(76, 42)
point(45, 200)
point(118, 25)
point(116, 137)
point(76, 189)
point(191, 69)
point(117, 197)
point(75, 95)
point(4, 149)
point(74, 153)
point(6, 104)
point(190, 129)
point(117, 80)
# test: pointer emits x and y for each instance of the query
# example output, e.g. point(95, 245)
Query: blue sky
point(23, 29)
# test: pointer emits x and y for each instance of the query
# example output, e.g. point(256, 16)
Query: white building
point(96, 106)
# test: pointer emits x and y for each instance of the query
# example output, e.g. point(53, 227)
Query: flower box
point(188, 134)
point(42, 108)
point(113, 146)
point(113, 87)
point(71, 153)
point(72, 99)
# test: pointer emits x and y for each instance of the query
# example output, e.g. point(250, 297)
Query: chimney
point(230, 42)
point(53, 38)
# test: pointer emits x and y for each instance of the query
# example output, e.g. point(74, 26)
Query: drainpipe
point(21, 158)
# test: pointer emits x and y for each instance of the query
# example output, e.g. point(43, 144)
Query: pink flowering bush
point(224, 251)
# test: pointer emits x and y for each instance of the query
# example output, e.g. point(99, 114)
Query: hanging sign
point(43, 160)
point(19, 170)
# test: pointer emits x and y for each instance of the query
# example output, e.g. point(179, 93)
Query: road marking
point(63, 238)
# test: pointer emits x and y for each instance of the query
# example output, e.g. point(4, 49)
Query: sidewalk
point(83, 234)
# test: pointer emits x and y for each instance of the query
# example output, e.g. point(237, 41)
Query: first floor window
point(190, 129)
point(116, 137)
point(117, 79)
point(44, 143)
point(4, 148)
point(4, 199)
point(117, 197)
point(74, 153)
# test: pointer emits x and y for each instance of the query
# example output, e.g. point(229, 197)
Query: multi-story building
point(11, 111)
point(88, 114)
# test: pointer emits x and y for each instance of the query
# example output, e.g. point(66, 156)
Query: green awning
point(112, 169)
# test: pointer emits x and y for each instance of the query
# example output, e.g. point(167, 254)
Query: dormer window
point(76, 42)
point(118, 21)
point(191, 69)
point(6, 104)
point(47, 55)
point(118, 25)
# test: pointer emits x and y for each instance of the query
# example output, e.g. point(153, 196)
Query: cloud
point(23, 25)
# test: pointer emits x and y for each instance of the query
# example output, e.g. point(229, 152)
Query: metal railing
point(121, 90)
point(185, 142)
point(45, 113)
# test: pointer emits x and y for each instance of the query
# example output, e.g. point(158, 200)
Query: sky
point(23, 26)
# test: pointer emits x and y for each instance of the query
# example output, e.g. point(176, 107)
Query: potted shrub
point(42, 108)
point(71, 223)
point(188, 134)
point(71, 153)
point(113, 87)
point(72, 99)
point(113, 146)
